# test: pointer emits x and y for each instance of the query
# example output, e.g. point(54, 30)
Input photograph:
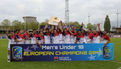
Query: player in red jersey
point(46, 35)
point(20, 37)
point(96, 38)
point(34, 36)
point(105, 38)
point(89, 36)
point(40, 38)
point(80, 38)
point(73, 37)
point(11, 37)
point(27, 37)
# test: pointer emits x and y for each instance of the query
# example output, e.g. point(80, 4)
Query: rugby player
point(20, 37)
point(47, 35)
point(34, 36)
point(27, 37)
point(96, 37)
point(105, 38)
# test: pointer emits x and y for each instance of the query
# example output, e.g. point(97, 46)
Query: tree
point(107, 25)
point(6, 22)
point(34, 25)
point(75, 23)
point(17, 25)
point(90, 26)
point(43, 23)
point(27, 25)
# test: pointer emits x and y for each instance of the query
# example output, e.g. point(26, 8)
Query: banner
point(61, 52)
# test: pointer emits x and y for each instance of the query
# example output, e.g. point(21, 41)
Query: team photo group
point(59, 34)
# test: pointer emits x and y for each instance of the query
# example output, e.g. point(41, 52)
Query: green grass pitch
point(116, 64)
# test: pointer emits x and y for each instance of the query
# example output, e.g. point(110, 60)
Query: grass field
point(116, 64)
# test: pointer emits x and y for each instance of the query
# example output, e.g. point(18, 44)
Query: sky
point(45, 9)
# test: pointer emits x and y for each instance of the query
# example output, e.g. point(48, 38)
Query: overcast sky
point(45, 9)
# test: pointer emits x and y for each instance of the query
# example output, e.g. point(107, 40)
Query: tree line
point(16, 24)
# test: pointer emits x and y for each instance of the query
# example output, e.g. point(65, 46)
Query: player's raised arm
point(82, 26)
point(98, 25)
point(70, 30)
point(51, 27)
point(59, 26)
point(46, 26)
point(65, 26)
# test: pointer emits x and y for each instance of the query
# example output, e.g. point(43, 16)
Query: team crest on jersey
point(17, 52)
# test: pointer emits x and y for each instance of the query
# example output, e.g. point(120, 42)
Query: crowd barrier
point(60, 52)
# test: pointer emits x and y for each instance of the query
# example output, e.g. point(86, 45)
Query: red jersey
point(75, 34)
point(80, 36)
point(97, 34)
point(90, 35)
point(11, 37)
point(106, 37)
point(67, 33)
point(21, 36)
point(26, 35)
point(16, 34)
point(35, 35)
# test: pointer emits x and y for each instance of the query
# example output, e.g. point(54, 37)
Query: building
point(118, 30)
point(30, 19)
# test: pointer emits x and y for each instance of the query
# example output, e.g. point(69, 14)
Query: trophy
point(54, 21)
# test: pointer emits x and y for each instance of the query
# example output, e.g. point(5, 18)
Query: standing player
point(47, 35)
point(27, 37)
point(11, 37)
point(34, 36)
point(80, 38)
point(60, 30)
point(73, 37)
point(96, 38)
point(56, 37)
point(89, 36)
point(68, 34)
point(105, 38)
point(40, 38)
point(20, 37)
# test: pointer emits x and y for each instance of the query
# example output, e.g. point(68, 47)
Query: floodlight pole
point(66, 11)
point(117, 17)
point(88, 19)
